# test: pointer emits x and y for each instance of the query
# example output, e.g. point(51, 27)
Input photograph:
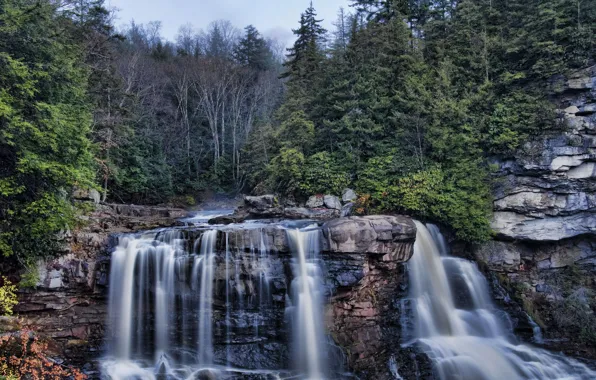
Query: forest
point(406, 101)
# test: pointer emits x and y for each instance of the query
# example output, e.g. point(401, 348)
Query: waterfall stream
point(210, 302)
point(306, 306)
point(173, 291)
point(461, 330)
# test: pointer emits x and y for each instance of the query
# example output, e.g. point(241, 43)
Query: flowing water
point(305, 307)
point(172, 291)
point(461, 330)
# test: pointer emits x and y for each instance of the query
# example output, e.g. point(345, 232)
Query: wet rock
point(348, 195)
point(315, 201)
point(391, 236)
point(332, 202)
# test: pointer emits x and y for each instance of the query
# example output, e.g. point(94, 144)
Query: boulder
point(315, 201)
point(332, 202)
point(348, 195)
point(346, 209)
point(267, 206)
point(310, 213)
point(392, 236)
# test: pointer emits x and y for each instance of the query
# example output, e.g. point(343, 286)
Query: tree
point(44, 122)
point(253, 52)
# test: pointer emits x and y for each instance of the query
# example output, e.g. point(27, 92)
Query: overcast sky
point(273, 18)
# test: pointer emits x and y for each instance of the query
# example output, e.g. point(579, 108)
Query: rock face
point(544, 260)
point(69, 303)
point(367, 311)
point(374, 234)
point(548, 191)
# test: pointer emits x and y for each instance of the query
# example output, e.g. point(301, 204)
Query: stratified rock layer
point(548, 191)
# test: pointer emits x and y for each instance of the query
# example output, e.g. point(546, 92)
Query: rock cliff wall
point(544, 256)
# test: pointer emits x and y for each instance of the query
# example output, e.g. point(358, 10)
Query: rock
point(265, 206)
point(348, 195)
point(238, 217)
point(500, 256)
point(391, 236)
point(521, 227)
point(572, 110)
point(309, 213)
point(332, 202)
point(315, 201)
point(546, 192)
point(86, 195)
point(346, 209)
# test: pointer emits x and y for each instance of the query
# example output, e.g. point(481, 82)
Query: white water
point(306, 303)
point(162, 292)
point(148, 273)
point(458, 326)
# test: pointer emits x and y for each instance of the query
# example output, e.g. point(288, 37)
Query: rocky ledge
point(364, 274)
point(547, 192)
point(317, 207)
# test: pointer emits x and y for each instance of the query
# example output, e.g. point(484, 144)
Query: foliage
point(8, 297)
point(24, 356)
point(30, 276)
point(44, 123)
point(285, 171)
point(323, 175)
point(414, 99)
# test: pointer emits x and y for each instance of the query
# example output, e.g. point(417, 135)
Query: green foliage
point(8, 297)
point(323, 175)
point(30, 276)
point(44, 127)
point(458, 197)
point(285, 171)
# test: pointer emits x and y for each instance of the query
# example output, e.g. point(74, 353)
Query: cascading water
point(199, 301)
point(306, 302)
point(461, 330)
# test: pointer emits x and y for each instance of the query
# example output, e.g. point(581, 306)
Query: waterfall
point(460, 329)
point(306, 302)
point(151, 291)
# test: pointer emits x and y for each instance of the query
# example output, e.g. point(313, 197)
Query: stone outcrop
point(368, 309)
point(68, 305)
point(543, 260)
point(548, 191)
point(390, 236)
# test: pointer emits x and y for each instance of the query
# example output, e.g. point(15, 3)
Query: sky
point(273, 18)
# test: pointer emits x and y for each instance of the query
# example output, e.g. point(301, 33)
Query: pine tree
point(307, 54)
point(252, 51)
point(44, 124)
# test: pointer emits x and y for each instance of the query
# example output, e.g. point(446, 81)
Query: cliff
point(544, 252)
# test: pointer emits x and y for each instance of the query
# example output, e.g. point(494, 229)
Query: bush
point(24, 357)
point(322, 175)
point(8, 297)
point(285, 171)
point(459, 197)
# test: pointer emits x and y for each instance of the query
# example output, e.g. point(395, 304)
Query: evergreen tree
point(252, 51)
point(44, 124)
point(307, 54)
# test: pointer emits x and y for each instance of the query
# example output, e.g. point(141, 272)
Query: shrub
point(322, 175)
point(24, 357)
point(8, 297)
